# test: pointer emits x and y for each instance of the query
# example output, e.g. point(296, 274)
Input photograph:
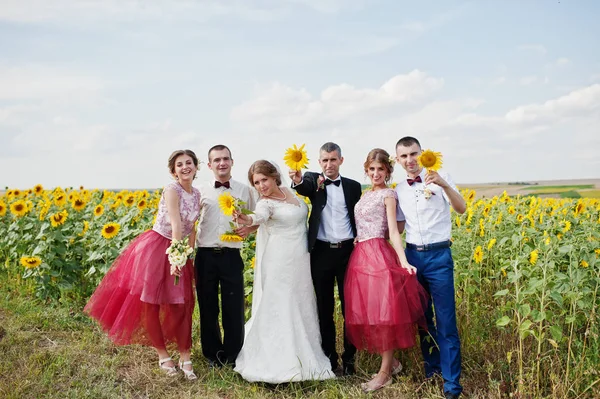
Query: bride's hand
point(410, 268)
point(241, 218)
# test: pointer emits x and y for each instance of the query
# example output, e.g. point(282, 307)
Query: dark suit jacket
point(318, 198)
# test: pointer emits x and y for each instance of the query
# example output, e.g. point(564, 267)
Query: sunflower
point(584, 264)
point(478, 254)
point(231, 238)
point(59, 218)
point(78, 204)
point(98, 210)
point(457, 221)
point(227, 203)
point(295, 158)
point(60, 199)
point(110, 230)
point(129, 200)
point(142, 204)
point(2, 208)
point(491, 244)
point(16, 193)
point(431, 160)
point(533, 257)
point(471, 195)
point(38, 189)
point(31, 262)
point(579, 207)
point(253, 262)
point(86, 226)
point(19, 208)
point(520, 218)
point(72, 196)
point(567, 226)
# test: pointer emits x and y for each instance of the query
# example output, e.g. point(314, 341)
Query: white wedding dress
point(283, 342)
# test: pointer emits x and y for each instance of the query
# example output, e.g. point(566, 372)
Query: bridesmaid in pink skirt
point(384, 301)
point(137, 301)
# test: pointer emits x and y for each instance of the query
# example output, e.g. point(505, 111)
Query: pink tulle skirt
point(137, 301)
point(384, 304)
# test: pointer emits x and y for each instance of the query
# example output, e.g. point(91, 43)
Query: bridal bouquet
point(179, 252)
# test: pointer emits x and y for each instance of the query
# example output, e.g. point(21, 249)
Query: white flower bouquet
point(179, 252)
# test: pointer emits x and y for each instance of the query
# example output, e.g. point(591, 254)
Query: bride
point(283, 342)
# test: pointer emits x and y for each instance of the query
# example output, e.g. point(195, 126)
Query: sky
point(99, 92)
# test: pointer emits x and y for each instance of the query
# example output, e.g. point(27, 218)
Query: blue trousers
point(440, 345)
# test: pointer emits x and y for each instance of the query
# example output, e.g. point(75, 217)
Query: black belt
point(336, 245)
point(429, 247)
point(217, 250)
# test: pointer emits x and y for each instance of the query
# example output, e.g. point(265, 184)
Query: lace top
point(189, 209)
point(370, 214)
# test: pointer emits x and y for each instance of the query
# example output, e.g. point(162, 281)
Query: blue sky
point(98, 93)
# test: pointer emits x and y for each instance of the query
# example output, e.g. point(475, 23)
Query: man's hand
point(435, 178)
point(296, 176)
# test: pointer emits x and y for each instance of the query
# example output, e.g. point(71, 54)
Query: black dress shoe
point(349, 369)
point(449, 395)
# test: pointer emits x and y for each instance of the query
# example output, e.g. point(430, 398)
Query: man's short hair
point(218, 147)
point(330, 147)
point(407, 141)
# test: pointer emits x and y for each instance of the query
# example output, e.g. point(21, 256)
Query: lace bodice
point(370, 214)
point(189, 208)
point(281, 218)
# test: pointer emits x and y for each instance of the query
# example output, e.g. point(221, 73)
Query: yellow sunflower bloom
point(533, 257)
point(491, 244)
point(86, 226)
point(231, 238)
point(30, 262)
point(59, 218)
point(295, 158)
point(110, 230)
point(431, 160)
point(584, 264)
point(478, 254)
point(38, 189)
point(78, 204)
point(142, 204)
point(129, 200)
point(253, 262)
point(2, 208)
point(227, 203)
point(60, 199)
point(19, 208)
point(98, 210)
point(567, 226)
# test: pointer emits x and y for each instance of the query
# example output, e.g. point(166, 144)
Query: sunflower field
point(527, 275)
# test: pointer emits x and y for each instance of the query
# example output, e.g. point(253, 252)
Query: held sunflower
point(431, 160)
point(110, 230)
point(30, 262)
point(295, 158)
point(227, 203)
point(231, 238)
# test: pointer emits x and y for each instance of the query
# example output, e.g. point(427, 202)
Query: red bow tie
point(219, 184)
point(412, 181)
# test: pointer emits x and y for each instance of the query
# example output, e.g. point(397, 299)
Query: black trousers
point(327, 266)
point(224, 269)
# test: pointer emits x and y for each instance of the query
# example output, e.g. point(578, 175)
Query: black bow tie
point(412, 181)
point(336, 182)
point(219, 184)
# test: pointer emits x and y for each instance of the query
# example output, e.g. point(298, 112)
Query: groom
point(331, 233)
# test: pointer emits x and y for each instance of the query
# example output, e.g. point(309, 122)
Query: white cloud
point(534, 48)
point(562, 62)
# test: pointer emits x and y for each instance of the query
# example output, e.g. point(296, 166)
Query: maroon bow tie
point(219, 184)
point(412, 181)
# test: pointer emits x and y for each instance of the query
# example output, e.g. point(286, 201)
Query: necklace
point(276, 198)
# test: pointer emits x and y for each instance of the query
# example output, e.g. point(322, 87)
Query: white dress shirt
point(427, 220)
point(213, 223)
point(335, 223)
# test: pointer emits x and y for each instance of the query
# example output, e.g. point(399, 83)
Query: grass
point(55, 351)
point(568, 187)
point(590, 193)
